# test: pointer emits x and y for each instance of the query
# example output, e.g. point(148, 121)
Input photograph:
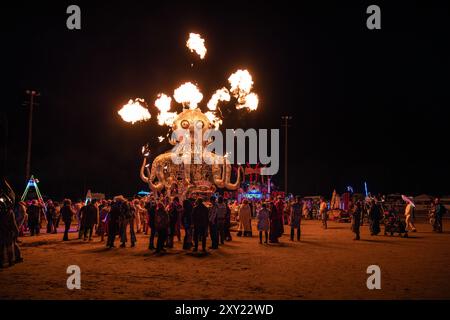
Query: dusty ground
point(326, 264)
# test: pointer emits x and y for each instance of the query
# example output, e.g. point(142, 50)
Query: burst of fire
point(250, 101)
point(197, 44)
point(133, 111)
point(215, 120)
point(188, 94)
point(163, 104)
point(219, 95)
point(241, 83)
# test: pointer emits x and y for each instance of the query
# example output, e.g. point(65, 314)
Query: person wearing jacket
point(66, 214)
point(356, 214)
point(174, 210)
point(49, 215)
point(127, 217)
point(213, 224)
point(90, 220)
point(161, 226)
point(228, 224)
point(151, 211)
point(263, 222)
point(221, 212)
point(439, 211)
point(295, 218)
point(34, 218)
point(113, 220)
point(200, 221)
point(186, 221)
point(245, 219)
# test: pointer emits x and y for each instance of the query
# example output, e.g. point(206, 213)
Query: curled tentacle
point(150, 177)
point(236, 184)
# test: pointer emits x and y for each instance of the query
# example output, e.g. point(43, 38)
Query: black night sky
point(367, 105)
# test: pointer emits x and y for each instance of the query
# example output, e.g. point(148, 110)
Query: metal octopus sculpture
point(194, 178)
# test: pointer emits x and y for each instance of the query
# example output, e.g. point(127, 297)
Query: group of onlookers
point(164, 219)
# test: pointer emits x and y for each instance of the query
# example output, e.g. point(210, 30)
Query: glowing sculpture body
point(194, 178)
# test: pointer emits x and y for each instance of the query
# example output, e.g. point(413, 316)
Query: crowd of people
point(163, 219)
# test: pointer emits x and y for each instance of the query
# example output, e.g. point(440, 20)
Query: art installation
point(194, 178)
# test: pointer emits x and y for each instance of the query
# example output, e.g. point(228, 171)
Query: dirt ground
point(326, 264)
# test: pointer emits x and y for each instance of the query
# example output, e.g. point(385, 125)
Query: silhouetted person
point(161, 225)
point(200, 221)
point(66, 214)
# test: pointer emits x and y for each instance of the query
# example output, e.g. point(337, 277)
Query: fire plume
point(197, 44)
point(133, 111)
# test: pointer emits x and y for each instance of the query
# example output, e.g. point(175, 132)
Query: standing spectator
point(127, 216)
point(66, 214)
point(102, 227)
point(439, 211)
point(200, 221)
point(287, 212)
point(151, 211)
point(305, 209)
point(137, 214)
point(323, 212)
point(276, 224)
point(114, 220)
point(228, 224)
point(34, 217)
point(186, 220)
point(8, 234)
point(56, 217)
point(296, 218)
point(161, 225)
point(263, 222)
point(356, 214)
point(20, 212)
point(213, 224)
point(49, 215)
point(374, 217)
point(221, 212)
point(174, 210)
point(409, 217)
point(245, 219)
point(90, 219)
point(82, 221)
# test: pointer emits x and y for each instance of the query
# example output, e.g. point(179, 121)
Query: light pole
point(31, 104)
point(286, 125)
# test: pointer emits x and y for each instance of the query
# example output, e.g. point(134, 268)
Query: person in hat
point(409, 217)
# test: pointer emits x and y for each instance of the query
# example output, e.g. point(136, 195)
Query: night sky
point(367, 105)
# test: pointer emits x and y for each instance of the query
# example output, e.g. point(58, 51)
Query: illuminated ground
point(325, 265)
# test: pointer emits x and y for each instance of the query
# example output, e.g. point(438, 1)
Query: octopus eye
point(199, 124)
point(185, 124)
